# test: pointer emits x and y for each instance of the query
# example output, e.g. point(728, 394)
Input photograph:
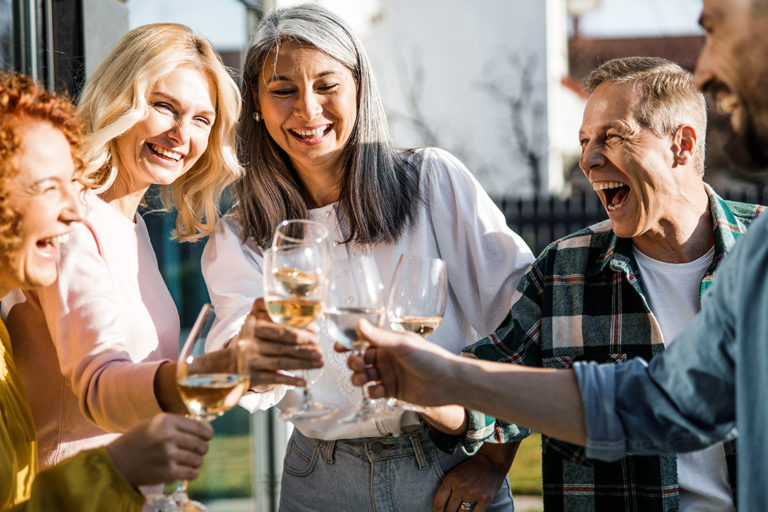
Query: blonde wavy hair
point(114, 99)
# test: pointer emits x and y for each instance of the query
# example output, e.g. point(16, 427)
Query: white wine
point(294, 282)
point(342, 324)
point(421, 325)
point(208, 395)
point(293, 312)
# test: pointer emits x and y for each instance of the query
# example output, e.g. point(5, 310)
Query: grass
point(525, 474)
point(228, 470)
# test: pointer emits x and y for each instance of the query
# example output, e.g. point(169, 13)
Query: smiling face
point(167, 143)
point(308, 101)
point(732, 68)
point(630, 168)
point(45, 196)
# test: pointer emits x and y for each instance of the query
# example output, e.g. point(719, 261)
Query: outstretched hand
point(403, 365)
point(162, 449)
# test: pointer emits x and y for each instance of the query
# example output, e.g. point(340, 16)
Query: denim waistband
point(414, 441)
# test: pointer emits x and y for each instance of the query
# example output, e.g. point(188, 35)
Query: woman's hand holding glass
point(295, 273)
point(209, 385)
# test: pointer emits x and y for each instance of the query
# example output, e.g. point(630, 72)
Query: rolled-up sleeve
point(683, 400)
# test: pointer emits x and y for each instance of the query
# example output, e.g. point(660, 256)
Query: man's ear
point(684, 144)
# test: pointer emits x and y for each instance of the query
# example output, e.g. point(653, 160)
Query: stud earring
point(257, 116)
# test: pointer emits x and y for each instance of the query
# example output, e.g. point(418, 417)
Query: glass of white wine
point(209, 384)
point(417, 298)
point(417, 295)
point(295, 288)
point(356, 293)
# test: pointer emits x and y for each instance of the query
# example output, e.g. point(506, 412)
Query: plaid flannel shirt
point(583, 300)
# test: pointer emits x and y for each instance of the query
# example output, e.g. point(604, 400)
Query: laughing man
point(625, 287)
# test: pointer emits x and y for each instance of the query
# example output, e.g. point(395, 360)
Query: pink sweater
point(88, 346)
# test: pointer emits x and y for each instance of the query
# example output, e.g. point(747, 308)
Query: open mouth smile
point(47, 246)
point(311, 135)
point(614, 193)
point(164, 153)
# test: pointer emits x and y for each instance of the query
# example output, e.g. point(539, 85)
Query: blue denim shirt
point(711, 385)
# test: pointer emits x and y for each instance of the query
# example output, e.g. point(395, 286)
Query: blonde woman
point(40, 165)
point(100, 343)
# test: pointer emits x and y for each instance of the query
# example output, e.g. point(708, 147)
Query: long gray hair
point(379, 192)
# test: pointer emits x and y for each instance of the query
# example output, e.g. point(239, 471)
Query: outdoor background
point(495, 82)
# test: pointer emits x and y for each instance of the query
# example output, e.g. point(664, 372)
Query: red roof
point(586, 53)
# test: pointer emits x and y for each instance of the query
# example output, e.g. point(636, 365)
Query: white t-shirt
point(672, 290)
point(457, 222)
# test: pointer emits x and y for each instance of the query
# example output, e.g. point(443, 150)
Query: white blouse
point(457, 222)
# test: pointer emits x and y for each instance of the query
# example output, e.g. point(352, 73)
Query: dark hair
point(380, 188)
point(22, 101)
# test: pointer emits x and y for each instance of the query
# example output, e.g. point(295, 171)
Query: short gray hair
point(669, 96)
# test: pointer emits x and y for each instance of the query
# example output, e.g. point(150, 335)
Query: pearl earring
point(257, 116)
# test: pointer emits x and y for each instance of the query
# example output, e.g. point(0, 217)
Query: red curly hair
point(22, 101)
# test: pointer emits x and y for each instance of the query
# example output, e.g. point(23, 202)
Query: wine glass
point(417, 295)
point(209, 385)
point(417, 299)
point(295, 288)
point(355, 293)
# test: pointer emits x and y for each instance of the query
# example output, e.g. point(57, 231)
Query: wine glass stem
point(180, 494)
point(366, 396)
point(307, 394)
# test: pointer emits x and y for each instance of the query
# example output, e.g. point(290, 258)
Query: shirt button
point(327, 213)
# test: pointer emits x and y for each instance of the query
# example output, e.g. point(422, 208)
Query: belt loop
point(329, 449)
point(420, 457)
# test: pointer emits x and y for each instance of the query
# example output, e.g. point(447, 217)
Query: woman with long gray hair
point(314, 142)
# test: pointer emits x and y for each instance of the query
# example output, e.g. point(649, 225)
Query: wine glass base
point(369, 412)
point(183, 503)
point(308, 411)
point(162, 502)
point(405, 406)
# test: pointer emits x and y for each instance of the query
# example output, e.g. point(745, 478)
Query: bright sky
point(223, 21)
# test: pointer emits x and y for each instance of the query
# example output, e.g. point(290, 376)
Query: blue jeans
point(378, 474)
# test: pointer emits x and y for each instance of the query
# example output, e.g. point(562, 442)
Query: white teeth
point(310, 133)
point(166, 152)
point(59, 239)
point(602, 185)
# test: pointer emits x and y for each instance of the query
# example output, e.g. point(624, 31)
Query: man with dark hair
point(710, 384)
